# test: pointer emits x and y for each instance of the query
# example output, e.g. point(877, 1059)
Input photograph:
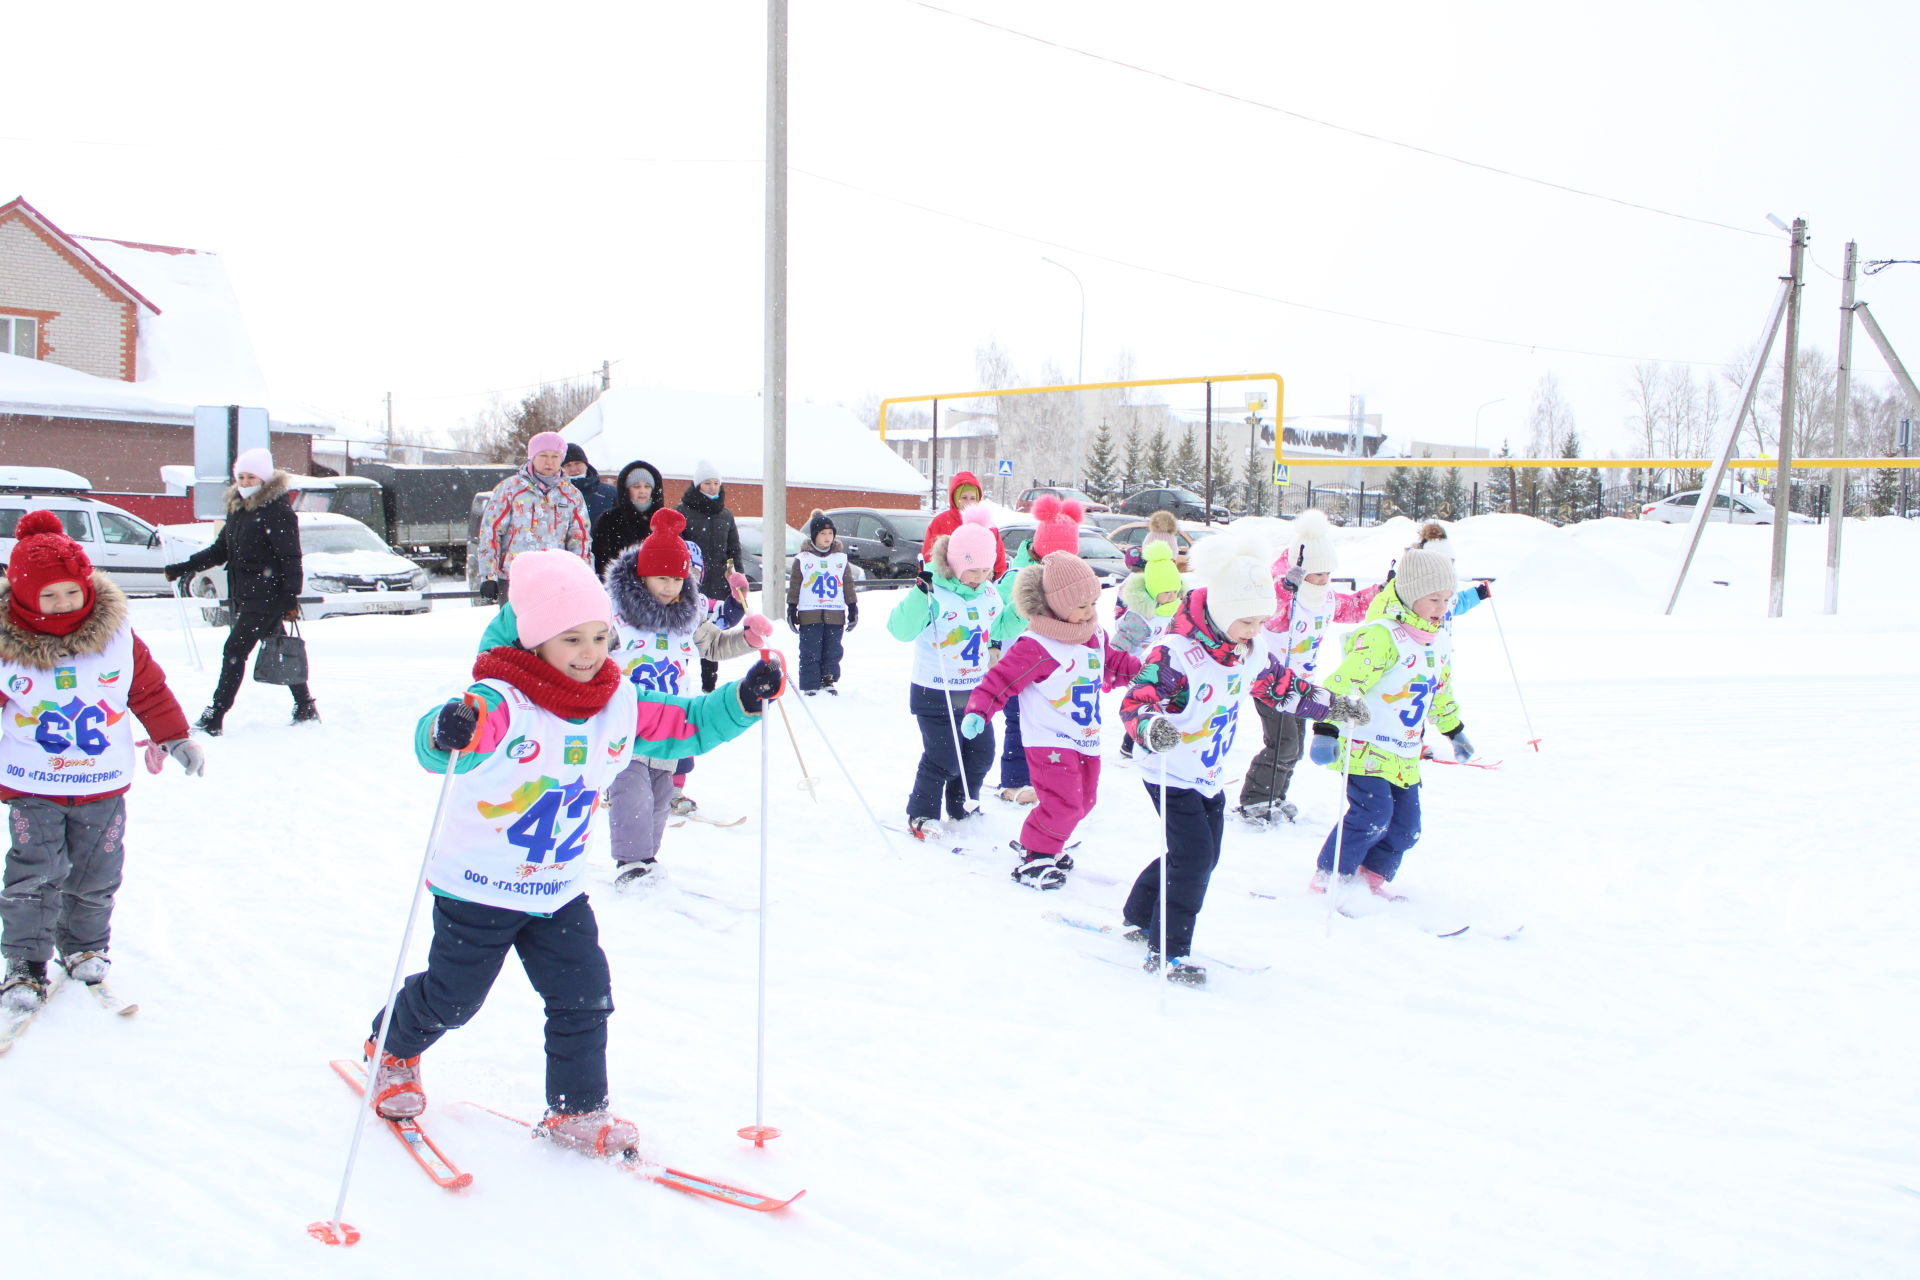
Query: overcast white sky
point(446, 202)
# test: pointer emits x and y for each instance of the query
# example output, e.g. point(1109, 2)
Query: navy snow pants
point(1382, 823)
point(1195, 824)
point(562, 956)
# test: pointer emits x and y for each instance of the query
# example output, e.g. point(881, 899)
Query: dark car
point(885, 544)
point(750, 547)
point(1184, 503)
point(1066, 493)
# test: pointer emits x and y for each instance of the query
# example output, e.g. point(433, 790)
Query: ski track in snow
point(1696, 1061)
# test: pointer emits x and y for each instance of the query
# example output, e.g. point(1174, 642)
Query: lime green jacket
point(1368, 653)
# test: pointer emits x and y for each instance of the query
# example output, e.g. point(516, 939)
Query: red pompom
point(1072, 510)
point(1046, 506)
point(38, 522)
point(669, 522)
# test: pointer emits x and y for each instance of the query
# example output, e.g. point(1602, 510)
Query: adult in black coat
point(260, 545)
point(595, 492)
point(711, 525)
point(631, 517)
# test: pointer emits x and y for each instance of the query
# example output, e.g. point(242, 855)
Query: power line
point(1250, 293)
point(1339, 128)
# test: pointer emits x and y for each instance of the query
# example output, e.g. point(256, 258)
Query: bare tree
point(500, 432)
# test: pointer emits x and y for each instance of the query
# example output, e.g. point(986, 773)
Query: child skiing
point(1056, 673)
point(546, 725)
point(1184, 706)
point(1398, 663)
point(1292, 637)
point(71, 668)
point(1143, 606)
point(663, 629)
point(952, 616)
point(821, 604)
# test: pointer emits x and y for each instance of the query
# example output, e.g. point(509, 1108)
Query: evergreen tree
point(1569, 489)
point(1396, 494)
point(1159, 460)
point(1256, 484)
point(1100, 480)
point(1224, 489)
point(1424, 492)
point(1883, 489)
point(1501, 488)
point(1134, 463)
point(1185, 464)
point(1453, 501)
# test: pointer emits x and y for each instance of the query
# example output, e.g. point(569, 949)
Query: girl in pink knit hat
point(954, 619)
point(548, 722)
point(1056, 673)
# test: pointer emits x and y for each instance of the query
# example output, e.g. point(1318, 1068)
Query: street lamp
point(1079, 374)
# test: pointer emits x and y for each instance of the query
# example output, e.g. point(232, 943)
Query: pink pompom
point(1046, 507)
point(976, 514)
point(1071, 510)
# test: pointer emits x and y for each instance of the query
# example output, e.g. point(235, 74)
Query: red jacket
point(949, 520)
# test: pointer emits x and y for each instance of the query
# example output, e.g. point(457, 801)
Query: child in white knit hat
point(1184, 707)
point(1399, 664)
point(1303, 577)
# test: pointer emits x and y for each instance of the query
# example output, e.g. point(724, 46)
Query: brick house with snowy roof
point(107, 345)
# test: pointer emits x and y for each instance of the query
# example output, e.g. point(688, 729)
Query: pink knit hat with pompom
point(971, 546)
point(1059, 526)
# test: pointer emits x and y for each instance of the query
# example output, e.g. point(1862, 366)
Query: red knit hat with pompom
point(43, 556)
point(663, 554)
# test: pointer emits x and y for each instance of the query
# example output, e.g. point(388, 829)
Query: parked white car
point(1738, 508)
point(346, 564)
point(122, 545)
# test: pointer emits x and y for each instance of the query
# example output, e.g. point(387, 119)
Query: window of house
point(19, 336)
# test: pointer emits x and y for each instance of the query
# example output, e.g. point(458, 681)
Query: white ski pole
point(186, 627)
point(334, 1230)
point(848, 774)
point(1532, 739)
point(1334, 883)
point(1166, 856)
point(953, 724)
point(759, 1131)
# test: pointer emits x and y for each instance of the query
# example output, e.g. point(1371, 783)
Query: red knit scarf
point(52, 624)
point(550, 688)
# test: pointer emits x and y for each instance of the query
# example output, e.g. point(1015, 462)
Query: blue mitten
point(1462, 747)
point(973, 726)
point(1326, 744)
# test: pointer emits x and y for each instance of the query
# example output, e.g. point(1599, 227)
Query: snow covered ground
point(1697, 1060)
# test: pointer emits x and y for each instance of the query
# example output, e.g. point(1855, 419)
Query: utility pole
point(606, 375)
point(1842, 414)
point(1783, 465)
point(773, 483)
point(389, 429)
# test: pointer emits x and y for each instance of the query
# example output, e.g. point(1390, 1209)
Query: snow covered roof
point(193, 345)
point(827, 447)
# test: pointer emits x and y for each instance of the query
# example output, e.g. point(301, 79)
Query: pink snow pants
point(1067, 783)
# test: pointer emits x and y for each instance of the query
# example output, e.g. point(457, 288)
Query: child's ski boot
point(395, 1084)
point(636, 876)
point(1038, 870)
point(24, 988)
point(89, 967)
point(592, 1133)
